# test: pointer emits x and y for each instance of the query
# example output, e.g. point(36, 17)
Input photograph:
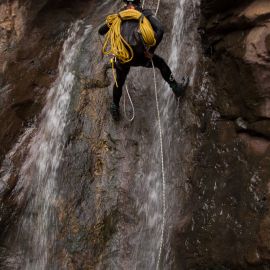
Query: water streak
point(38, 176)
point(182, 60)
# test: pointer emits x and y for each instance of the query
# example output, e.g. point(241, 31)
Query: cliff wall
point(108, 192)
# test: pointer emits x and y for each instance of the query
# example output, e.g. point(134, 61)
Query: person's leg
point(177, 88)
point(121, 75)
point(164, 68)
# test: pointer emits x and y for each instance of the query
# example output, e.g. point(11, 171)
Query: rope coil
point(116, 45)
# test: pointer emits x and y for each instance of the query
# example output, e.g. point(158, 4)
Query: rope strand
point(126, 58)
point(158, 5)
point(133, 109)
point(143, 4)
point(162, 170)
point(157, 8)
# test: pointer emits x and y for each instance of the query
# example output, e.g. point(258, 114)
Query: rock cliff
point(107, 203)
point(230, 220)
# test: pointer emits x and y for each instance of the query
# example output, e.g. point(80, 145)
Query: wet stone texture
point(31, 38)
point(229, 220)
point(217, 142)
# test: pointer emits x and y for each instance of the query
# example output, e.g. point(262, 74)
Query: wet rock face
point(212, 7)
point(220, 165)
point(230, 222)
point(31, 37)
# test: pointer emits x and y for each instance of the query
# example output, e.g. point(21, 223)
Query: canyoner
point(131, 38)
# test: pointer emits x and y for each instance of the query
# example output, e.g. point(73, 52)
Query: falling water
point(183, 55)
point(182, 60)
point(38, 175)
point(176, 115)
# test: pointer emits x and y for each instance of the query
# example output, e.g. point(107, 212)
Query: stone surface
point(230, 217)
point(218, 140)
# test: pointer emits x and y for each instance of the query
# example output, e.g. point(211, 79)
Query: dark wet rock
point(213, 7)
point(227, 224)
point(217, 156)
point(30, 44)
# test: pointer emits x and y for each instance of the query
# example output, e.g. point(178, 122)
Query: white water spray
point(38, 176)
point(182, 61)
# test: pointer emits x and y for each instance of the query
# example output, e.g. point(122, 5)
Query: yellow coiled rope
point(116, 45)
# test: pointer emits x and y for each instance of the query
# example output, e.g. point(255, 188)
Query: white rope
point(158, 4)
point(161, 151)
point(162, 170)
point(133, 110)
point(143, 4)
point(157, 8)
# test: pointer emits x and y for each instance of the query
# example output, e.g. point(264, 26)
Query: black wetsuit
point(130, 34)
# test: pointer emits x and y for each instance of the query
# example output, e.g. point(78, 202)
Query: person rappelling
point(132, 37)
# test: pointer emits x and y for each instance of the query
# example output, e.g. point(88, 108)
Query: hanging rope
point(158, 4)
point(162, 170)
point(161, 152)
point(143, 4)
point(133, 109)
point(118, 48)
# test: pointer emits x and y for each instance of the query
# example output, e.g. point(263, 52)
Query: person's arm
point(103, 29)
point(156, 24)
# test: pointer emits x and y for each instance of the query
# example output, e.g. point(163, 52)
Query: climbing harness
point(116, 45)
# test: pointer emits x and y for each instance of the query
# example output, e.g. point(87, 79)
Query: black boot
point(115, 112)
point(179, 89)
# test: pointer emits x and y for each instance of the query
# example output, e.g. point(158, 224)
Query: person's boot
point(179, 89)
point(115, 112)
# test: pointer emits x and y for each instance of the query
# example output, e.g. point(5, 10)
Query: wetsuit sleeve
point(103, 29)
point(156, 24)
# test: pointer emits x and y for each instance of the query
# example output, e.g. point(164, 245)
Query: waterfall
point(182, 60)
point(123, 202)
point(37, 185)
point(184, 53)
